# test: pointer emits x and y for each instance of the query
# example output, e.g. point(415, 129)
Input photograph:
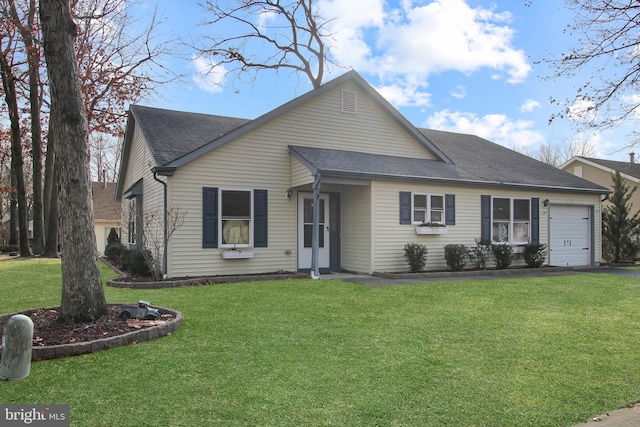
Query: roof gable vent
point(348, 101)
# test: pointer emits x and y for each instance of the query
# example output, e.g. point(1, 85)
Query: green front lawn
point(551, 351)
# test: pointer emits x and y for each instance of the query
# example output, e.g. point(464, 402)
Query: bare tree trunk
point(82, 294)
point(50, 201)
point(13, 211)
point(17, 174)
point(33, 59)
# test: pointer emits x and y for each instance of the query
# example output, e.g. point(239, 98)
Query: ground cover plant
point(548, 351)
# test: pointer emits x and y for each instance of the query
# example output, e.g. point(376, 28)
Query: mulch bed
point(47, 331)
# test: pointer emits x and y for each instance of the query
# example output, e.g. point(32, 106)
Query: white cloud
point(498, 128)
point(529, 105)
point(208, 77)
point(416, 40)
point(459, 92)
point(404, 95)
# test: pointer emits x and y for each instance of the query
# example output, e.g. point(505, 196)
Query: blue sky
point(469, 66)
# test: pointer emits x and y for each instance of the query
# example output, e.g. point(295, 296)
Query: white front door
point(305, 230)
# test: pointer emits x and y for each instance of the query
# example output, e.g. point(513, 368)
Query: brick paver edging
point(126, 282)
point(136, 336)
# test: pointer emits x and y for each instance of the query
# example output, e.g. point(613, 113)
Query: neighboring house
point(107, 212)
point(600, 172)
point(247, 188)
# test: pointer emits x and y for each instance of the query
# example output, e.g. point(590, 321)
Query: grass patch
point(538, 351)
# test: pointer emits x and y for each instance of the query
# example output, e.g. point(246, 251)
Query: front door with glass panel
point(305, 230)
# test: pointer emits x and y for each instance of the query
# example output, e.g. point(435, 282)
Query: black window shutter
point(260, 218)
point(535, 220)
point(209, 217)
point(405, 207)
point(450, 209)
point(485, 218)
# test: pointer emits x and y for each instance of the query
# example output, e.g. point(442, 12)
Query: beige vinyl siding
point(152, 197)
point(245, 164)
point(260, 159)
point(356, 229)
point(604, 178)
point(300, 174)
point(320, 123)
point(390, 237)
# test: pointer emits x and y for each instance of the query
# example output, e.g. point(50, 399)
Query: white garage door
point(570, 235)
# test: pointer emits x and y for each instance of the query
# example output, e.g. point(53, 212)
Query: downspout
point(164, 218)
point(315, 234)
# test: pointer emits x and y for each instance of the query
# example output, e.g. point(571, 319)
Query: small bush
point(113, 251)
point(113, 237)
point(535, 254)
point(415, 255)
point(133, 262)
point(10, 248)
point(456, 256)
point(480, 253)
point(503, 255)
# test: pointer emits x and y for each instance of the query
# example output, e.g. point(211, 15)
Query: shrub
point(133, 262)
point(480, 253)
point(502, 254)
point(113, 237)
point(113, 251)
point(535, 254)
point(415, 255)
point(10, 248)
point(456, 256)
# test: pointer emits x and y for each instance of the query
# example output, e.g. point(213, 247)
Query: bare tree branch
point(273, 35)
point(608, 47)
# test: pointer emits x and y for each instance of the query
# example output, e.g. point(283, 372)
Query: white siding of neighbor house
point(260, 159)
point(390, 236)
point(356, 228)
point(102, 230)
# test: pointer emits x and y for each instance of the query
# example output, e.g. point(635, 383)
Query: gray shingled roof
point(173, 134)
point(476, 161)
point(488, 161)
point(631, 169)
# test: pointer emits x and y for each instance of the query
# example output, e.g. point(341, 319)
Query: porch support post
point(315, 234)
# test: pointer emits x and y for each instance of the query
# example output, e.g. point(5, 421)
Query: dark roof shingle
point(105, 206)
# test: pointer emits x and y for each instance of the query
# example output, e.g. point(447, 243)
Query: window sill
point(431, 230)
point(237, 254)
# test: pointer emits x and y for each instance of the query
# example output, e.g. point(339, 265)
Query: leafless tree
point(273, 35)
point(8, 50)
point(607, 47)
point(82, 294)
point(24, 18)
point(557, 154)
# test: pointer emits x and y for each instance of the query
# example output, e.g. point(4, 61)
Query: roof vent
point(348, 101)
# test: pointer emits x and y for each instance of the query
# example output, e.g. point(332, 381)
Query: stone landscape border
point(128, 282)
point(144, 334)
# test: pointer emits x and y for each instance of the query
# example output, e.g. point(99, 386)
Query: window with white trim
point(511, 220)
point(427, 208)
point(236, 218)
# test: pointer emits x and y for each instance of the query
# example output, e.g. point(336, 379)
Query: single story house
point(600, 171)
point(338, 180)
point(107, 212)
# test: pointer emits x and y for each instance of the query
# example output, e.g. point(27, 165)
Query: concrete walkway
point(625, 417)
